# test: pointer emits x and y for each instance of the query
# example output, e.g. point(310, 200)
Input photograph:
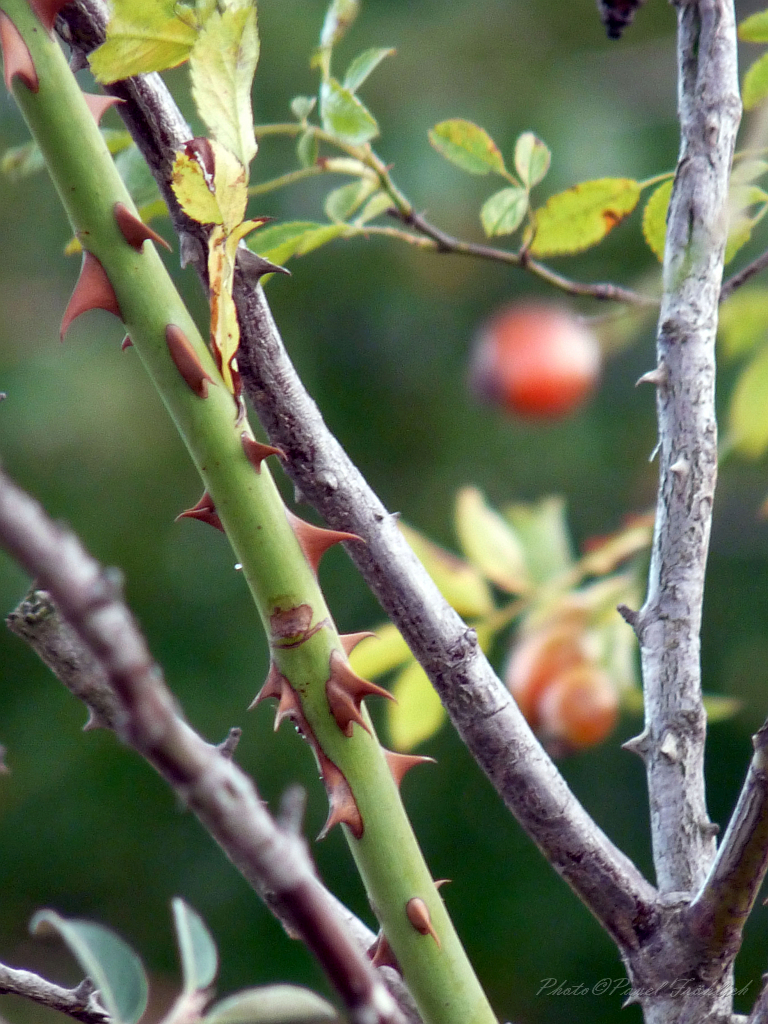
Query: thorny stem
point(219, 793)
point(480, 706)
point(80, 1003)
point(38, 621)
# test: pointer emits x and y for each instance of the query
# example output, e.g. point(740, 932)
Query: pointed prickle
point(99, 104)
point(273, 687)
point(253, 267)
point(343, 809)
point(382, 955)
point(127, 343)
point(46, 11)
point(205, 511)
point(345, 691)
point(399, 764)
point(92, 291)
point(134, 230)
point(256, 452)
point(187, 361)
point(417, 912)
point(17, 59)
point(658, 375)
point(315, 540)
point(349, 641)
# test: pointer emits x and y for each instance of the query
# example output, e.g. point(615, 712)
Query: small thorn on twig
point(658, 376)
point(680, 468)
point(629, 616)
point(228, 746)
point(637, 745)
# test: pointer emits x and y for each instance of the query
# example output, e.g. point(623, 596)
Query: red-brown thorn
point(417, 913)
point(134, 230)
point(344, 809)
point(382, 954)
point(345, 691)
point(46, 11)
point(256, 452)
point(187, 361)
point(99, 104)
point(204, 510)
point(315, 540)
point(92, 291)
point(17, 60)
point(277, 685)
point(399, 764)
point(349, 641)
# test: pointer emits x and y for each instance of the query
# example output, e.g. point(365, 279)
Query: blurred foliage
point(380, 335)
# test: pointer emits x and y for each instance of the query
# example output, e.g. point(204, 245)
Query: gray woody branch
point(479, 705)
point(273, 860)
point(668, 625)
point(80, 1003)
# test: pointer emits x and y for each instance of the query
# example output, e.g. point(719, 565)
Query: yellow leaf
point(191, 189)
point(230, 186)
point(380, 654)
point(655, 219)
point(418, 714)
point(460, 583)
point(490, 542)
point(143, 36)
point(582, 216)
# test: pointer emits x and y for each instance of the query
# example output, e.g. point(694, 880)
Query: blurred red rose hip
point(537, 360)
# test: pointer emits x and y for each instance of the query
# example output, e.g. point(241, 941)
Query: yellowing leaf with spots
point(222, 65)
point(582, 216)
point(191, 189)
point(418, 714)
point(144, 36)
point(655, 219)
point(468, 146)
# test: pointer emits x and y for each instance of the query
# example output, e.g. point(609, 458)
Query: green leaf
point(362, 66)
point(754, 89)
point(582, 216)
point(532, 159)
point(746, 171)
point(222, 65)
point(490, 543)
point(106, 959)
point(655, 218)
point(543, 531)
point(460, 583)
point(418, 713)
point(143, 36)
point(338, 18)
point(279, 242)
point(754, 29)
point(468, 146)
point(378, 204)
point(272, 1004)
point(504, 211)
point(302, 107)
point(344, 116)
point(380, 654)
point(197, 950)
point(748, 410)
point(342, 202)
point(307, 149)
point(739, 233)
point(743, 321)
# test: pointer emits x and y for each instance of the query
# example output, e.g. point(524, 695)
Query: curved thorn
point(187, 361)
point(99, 104)
point(399, 764)
point(134, 230)
point(46, 11)
point(315, 540)
point(349, 641)
point(345, 691)
point(204, 510)
point(17, 59)
point(92, 291)
point(127, 343)
point(253, 267)
point(382, 954)
point(256, 452)
point(343, 809)
point(273, 687)
point(417, 912)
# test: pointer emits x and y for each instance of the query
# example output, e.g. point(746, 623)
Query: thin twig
point(742, 276)
point(210, 783)
point(479, 704)
point(721, 908)
point(80, 1003)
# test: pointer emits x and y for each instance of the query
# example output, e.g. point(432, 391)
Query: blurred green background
point(381, 336)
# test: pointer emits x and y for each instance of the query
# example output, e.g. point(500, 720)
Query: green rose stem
point(310, 673)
